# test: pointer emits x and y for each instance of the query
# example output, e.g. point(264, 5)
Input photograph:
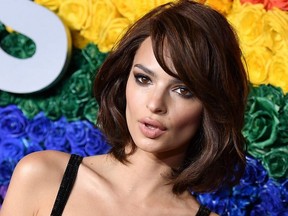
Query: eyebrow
point(145, 69)
point(152, 73)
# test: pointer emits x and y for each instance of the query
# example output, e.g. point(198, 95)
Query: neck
point(146, 174)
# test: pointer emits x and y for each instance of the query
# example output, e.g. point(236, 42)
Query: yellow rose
point(78, 40)
point(133, 9)
point(248, 21)
point(278, 70)
point(276, 29)
point(103, 11)
point(112, 33)
point(223, 6)
point(74, 13)
point(50, 4)
point(256, 59)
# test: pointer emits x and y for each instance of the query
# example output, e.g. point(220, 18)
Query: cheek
point(188, 120)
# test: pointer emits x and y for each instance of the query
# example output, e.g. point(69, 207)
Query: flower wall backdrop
point(63, 117)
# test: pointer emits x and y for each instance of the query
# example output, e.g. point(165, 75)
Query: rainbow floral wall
point(63, 117)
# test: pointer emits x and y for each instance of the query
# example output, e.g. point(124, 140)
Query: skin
point(106, 187)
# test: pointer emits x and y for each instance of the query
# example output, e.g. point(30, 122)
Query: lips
point(151, 128)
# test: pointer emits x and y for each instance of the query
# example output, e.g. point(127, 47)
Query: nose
point(157, 103)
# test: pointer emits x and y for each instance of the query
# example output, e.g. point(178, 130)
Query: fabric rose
point(11, 149)
point(261, 125)
point(273, 93)
point(217, 201)
point(133, 10)
point(31, 146)
point(102, 12)
point(29, 107)
point(6, 98)
point(248, 20)
point(270, 198)
point(276, 37)
point(276, 162)
point(56, 138)
point(3, 190)
point(75, 13)
point(244, 195)
point(51, 107)
point(284, 190)
point(12, 121)
point(50, 4)
point(278, 70)
point(68, 106)
point(91, 110)
point(39, 128)
point(96, 143)
point(92, 58)
point(258, 210)
point(112, 33)
point(257, 58)
point(78, 40)
point(252, 1)
point(18, 45)
point(80, 84)
point(283, 126)
point(281, 4)
point(76, 133)
point(223, 6)
point(6, 170)
point(254, 172)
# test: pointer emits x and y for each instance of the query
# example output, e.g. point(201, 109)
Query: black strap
point(203, 211)
point(66, 184)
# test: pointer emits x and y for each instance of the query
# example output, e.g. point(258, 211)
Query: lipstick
point(151, 128)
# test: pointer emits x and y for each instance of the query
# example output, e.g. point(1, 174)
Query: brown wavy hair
point(205, 53)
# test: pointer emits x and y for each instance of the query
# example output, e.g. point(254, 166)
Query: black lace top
point(67, 184)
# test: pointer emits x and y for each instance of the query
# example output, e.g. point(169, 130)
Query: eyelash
point(144, 80)
point(188, 95)
point(139, 78)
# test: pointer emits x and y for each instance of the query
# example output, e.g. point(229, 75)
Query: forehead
point(145, 54)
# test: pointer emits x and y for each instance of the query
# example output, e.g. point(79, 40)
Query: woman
point(172, 97)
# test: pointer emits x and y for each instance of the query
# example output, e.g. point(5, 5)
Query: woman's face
point(162, 113)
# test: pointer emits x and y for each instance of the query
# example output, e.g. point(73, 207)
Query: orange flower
point(281, 4)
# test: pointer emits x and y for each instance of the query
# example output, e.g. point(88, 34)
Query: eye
point(184, 92)
point(142, 79)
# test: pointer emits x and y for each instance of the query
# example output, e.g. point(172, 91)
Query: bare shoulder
point(41, 165)
point(35, 175)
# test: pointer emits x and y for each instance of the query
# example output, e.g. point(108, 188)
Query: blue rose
point(12, 149)
point(79, 151)
point(270, 196)
point(254, 172)
point(3, 190)
point(76, 133)
point(6, 170)
point(12, 121)
point(96, 143)
point(284, 192)
point(31, 146)
point(38, 128)
point(217, 201)
point(244, 195)
point(56, 138)
point(258, 210)
point(236, 210)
